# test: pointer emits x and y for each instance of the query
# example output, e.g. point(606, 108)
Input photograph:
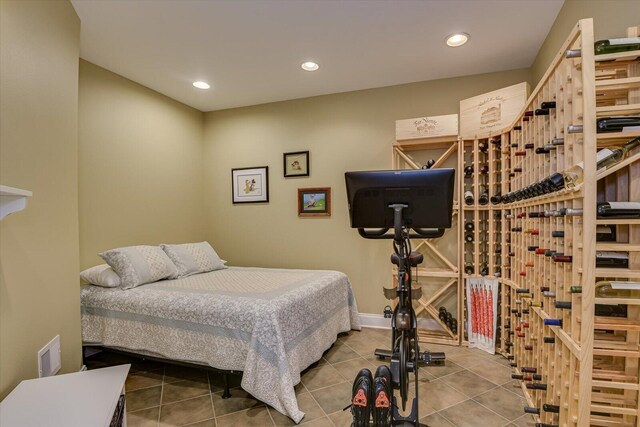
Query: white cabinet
point(80, 399)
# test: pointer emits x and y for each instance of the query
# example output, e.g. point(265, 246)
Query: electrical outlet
point(49, 358)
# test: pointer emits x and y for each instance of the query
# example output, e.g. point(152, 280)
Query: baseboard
point(374, 321)
point(379, 321)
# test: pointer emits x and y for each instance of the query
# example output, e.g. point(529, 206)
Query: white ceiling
point(250, 51)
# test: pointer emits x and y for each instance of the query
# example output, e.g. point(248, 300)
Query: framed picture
point(250, 185)
point(296, 164)
point(314, 201)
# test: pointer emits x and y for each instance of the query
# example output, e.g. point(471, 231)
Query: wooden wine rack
point(439, 269)
point(591, 369)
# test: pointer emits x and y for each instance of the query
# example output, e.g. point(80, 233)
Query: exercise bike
point(408, 199)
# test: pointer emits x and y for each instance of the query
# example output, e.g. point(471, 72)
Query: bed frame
point(225, 374)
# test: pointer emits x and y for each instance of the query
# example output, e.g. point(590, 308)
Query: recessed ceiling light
point(310, 66)
point(456, 40)
point(201, 85)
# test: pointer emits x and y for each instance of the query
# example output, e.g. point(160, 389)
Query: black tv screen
point(427, 192)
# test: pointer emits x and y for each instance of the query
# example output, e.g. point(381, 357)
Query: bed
point(268, 323)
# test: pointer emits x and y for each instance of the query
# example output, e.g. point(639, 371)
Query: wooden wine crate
point(427, 127)
point(491, 113)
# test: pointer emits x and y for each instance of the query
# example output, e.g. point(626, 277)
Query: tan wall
point(611, 18)
point(140, 166)
point(39, 48)
point(344, 132)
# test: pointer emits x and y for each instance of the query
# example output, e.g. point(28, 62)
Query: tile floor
point(473, 389)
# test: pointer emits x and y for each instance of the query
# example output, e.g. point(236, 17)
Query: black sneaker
point(361, 398)
point(382, 394)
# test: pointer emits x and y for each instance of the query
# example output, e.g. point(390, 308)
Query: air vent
point(49, 358)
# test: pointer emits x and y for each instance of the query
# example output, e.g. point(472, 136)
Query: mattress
point(269, 323)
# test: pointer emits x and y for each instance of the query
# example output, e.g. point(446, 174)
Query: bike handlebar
point(381, 233)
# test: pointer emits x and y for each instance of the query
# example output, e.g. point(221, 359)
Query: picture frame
point(250, 185)
point(314, 202)
point(296, 164)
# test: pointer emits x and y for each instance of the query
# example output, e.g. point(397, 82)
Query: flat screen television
point(428, 194)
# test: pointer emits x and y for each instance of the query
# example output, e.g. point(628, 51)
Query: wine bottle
point(469, 226)
point(429, 164)
point(468, 237)
point(563, 305)
point(495, 140)
point(548, 104)
point(575, 129)
point(562, 258)
point(542, 150)
point(549, 340)
point(484, 169)
point(611, 259)
point(575, 289)
point(537, 386)
point(604, 158)
point(541, 251)
point(616, 45)
point(606, 46)
point(549, 294)
point(551, 408)
point(619, 210)
point(570, 212)
point(497, 271)
point(605, 233)
point(546, 425)
point(517, 127)
point(520, 153)
point(517, 376)
point(468, 171)
point(553, 322)
point(528, 347)
point(611, 310)
point(617, 124)
point(557, 141)
point(496, 198)
point(557, 233)
point(485, 270)
point(617, 289)
point(484, 198)
point(529, 370)
point(468, 268)
point(542, 112)
point(483, 146)
point(536, 214)
point(468, 197)
point(532, 410)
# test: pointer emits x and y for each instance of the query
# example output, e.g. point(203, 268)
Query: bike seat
point(415, 258)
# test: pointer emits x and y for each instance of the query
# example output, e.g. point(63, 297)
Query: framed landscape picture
point(296, 164)
point(314, 201)
point(250, 185)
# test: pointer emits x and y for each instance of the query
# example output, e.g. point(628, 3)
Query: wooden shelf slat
point(617, 84)
point(622, 273)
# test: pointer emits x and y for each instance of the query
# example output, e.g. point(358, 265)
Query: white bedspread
point(269, 323)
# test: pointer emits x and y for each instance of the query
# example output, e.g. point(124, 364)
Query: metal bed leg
point(226, 393)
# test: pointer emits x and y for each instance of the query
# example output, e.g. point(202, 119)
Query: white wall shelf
point(12, 200)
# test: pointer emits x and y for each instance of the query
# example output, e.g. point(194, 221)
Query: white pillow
point(193, 258)
point(101, 275)
point(137, 265)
